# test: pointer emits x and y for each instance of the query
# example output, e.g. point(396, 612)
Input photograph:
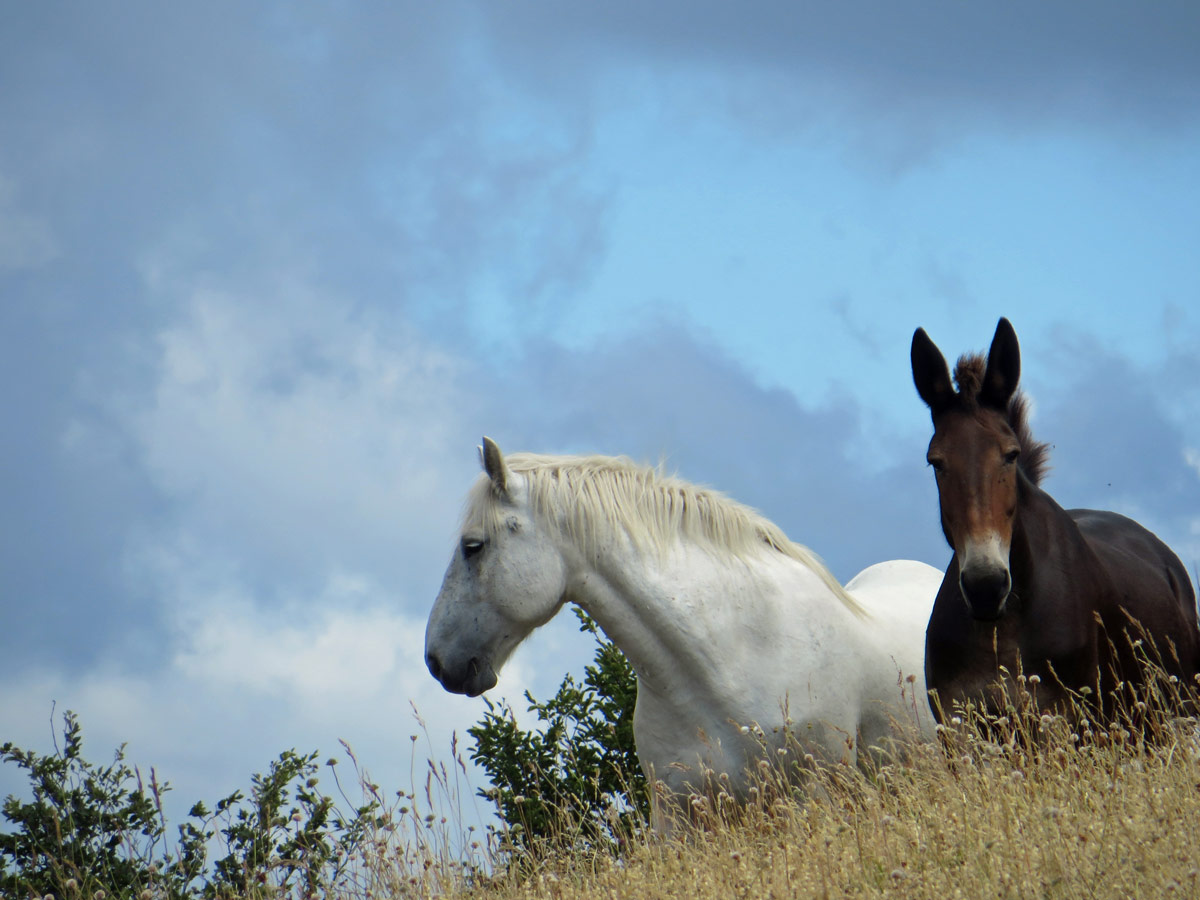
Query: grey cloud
point(1030, 61)
point(70, 500)
point(1120, 441)
point(203, 128)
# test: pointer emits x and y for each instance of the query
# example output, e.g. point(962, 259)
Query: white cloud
point(317, 657)
point(246, 683)
point(1191, 456)
point(301, 440)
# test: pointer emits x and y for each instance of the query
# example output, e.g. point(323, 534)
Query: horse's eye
point(937, 464)
point(1011, 457)
point(471, 546)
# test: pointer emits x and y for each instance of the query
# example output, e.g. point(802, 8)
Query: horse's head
point(974, 453)
point(507, 577)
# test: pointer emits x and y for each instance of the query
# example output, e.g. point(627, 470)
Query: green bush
point(575, 781)
point(90, 828)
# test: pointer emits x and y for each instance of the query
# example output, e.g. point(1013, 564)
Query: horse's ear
point(493, 464)
point(1003, 368)
point(931, 375)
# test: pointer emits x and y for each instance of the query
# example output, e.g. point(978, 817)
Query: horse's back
point(897, 586)
point(898, 596)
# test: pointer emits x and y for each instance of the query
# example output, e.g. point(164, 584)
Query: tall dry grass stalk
point(418, 844)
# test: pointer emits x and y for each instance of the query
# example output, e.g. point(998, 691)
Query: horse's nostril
point(435, 666)
point(985, 591)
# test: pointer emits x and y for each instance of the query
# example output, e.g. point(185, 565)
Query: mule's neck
point(1045, 539)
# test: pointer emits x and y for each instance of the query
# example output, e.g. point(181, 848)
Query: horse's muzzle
point(472, 680)
point(985, 591)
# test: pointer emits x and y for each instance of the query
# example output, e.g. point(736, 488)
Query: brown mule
point(1061, 594)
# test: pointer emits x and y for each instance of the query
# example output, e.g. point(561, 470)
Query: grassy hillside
point(1105, 821)
point(1034, 806)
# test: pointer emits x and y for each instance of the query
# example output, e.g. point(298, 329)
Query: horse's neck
point(686, 616)
point(1045, 537)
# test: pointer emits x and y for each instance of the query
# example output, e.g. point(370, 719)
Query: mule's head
point(507, 577)
point(974, 455)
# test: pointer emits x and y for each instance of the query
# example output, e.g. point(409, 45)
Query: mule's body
point(1033, 588)
point(1070, 636)
point(726, 622)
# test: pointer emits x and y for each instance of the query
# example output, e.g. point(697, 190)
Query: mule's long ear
point(493, 464)
point(1003, 368)
point(931, 375)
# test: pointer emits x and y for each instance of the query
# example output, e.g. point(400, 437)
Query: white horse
point(727, 623)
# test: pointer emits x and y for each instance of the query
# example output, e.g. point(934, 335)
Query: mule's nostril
point(985, 591)
point(435, 666)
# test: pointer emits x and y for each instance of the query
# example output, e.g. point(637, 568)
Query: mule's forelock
point(597, 499)
point(968, 378)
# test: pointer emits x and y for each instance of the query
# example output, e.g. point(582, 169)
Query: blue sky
point(269, 271)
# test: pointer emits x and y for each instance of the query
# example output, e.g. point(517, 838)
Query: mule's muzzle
point(986, 591)
point(472, 679)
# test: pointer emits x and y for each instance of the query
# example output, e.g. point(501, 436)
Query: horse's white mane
point(593, 497)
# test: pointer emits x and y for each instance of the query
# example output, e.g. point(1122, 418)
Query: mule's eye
point(937, 464)
point(1011, 457)
point(471, 546)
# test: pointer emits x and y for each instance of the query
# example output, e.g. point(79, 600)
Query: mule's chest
point(998, 663)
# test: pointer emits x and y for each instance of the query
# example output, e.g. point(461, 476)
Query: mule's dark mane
point(1035, 455)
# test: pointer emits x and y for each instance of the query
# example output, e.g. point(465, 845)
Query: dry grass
point(1096, 823)
point(1020, 806)
point(1026, 805)
point(418, 846)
